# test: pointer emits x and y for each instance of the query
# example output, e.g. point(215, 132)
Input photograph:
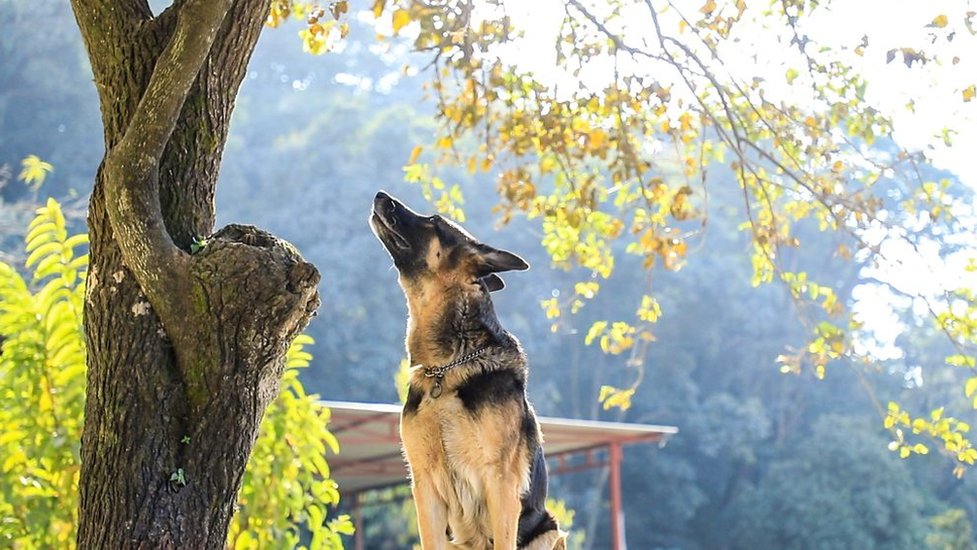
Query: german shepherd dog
point(470, 436)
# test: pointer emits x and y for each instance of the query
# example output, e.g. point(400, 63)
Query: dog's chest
point(443, 435)
point(460, 453)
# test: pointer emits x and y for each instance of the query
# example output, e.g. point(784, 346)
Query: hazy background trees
point(762, 460)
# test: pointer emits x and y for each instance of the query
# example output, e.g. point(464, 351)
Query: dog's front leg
point(432, 515)
point(504, 507)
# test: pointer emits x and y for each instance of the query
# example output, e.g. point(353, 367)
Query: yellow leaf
point(614, 397)
point(245, 542)
point(414, 154)
point(970, 387)
point(445, 142)
point(939, 21)
point(596, 330)
point(709, 7)
point(552, 308)
point(400, 19)
point(596, 139)
point(969, 92)
point(34, 170)
point(278, 12)
point(313, 43)
point(547, 163)
point(378, 6)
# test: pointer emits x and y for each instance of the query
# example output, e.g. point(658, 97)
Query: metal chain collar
point(438, 372)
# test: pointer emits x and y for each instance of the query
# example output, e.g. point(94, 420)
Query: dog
point(470, 435)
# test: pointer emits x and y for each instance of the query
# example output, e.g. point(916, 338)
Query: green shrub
point(286, 490)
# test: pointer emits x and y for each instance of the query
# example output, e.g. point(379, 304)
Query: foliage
point(715, 339)
point(564, 517)
point(42, 386)
point(846, 492)
point(951, 530)
point(34, 171)
point(322, 33)
point(286, 490)
point(291, 448)
point(615, 150)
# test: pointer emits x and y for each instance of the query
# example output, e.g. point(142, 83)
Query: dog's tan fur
point(474, 448)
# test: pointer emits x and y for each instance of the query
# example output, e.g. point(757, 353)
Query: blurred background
point(763, 459)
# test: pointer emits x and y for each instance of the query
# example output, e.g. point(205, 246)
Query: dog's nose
point(382, 202)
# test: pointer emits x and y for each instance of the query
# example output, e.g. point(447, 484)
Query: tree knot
point(249, 235)
point(302, 276)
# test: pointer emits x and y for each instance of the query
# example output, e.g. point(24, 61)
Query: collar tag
point(438, 372)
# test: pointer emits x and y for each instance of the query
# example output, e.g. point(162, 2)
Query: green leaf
point(343, 525)
point(40, 234)
point(45, 250)
point(245, 542)
point(34, 170)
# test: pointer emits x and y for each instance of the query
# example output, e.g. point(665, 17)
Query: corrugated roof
point(370, 455)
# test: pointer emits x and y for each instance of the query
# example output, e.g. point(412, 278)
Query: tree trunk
point(185, 347)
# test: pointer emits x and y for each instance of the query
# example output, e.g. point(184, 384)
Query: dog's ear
point(494, 260)
point(493, 282)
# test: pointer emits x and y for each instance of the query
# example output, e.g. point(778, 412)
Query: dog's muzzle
point(385, 217)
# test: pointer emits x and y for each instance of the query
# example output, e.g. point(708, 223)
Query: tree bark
point(185, 350)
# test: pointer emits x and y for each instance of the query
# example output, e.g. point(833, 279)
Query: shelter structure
point(371, 457)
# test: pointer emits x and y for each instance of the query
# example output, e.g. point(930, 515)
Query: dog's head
point(428, 248)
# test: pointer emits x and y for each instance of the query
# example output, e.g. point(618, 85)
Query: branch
point(97, 18)
point(106, 23)
point(177, 68)
point(131, 168)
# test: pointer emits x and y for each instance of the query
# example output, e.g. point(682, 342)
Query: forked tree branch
point(131, 168)
point(107, 20)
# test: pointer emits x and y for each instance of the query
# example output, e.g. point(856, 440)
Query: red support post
point(617, 513)
point(357, 523)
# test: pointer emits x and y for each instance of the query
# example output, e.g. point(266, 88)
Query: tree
point(616, 150)
point(839, 495)
point(582, 159)
point(186, 329)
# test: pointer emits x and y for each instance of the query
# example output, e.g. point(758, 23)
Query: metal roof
point(370, 455)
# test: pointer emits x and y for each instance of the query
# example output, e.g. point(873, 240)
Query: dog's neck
point(447, 323)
